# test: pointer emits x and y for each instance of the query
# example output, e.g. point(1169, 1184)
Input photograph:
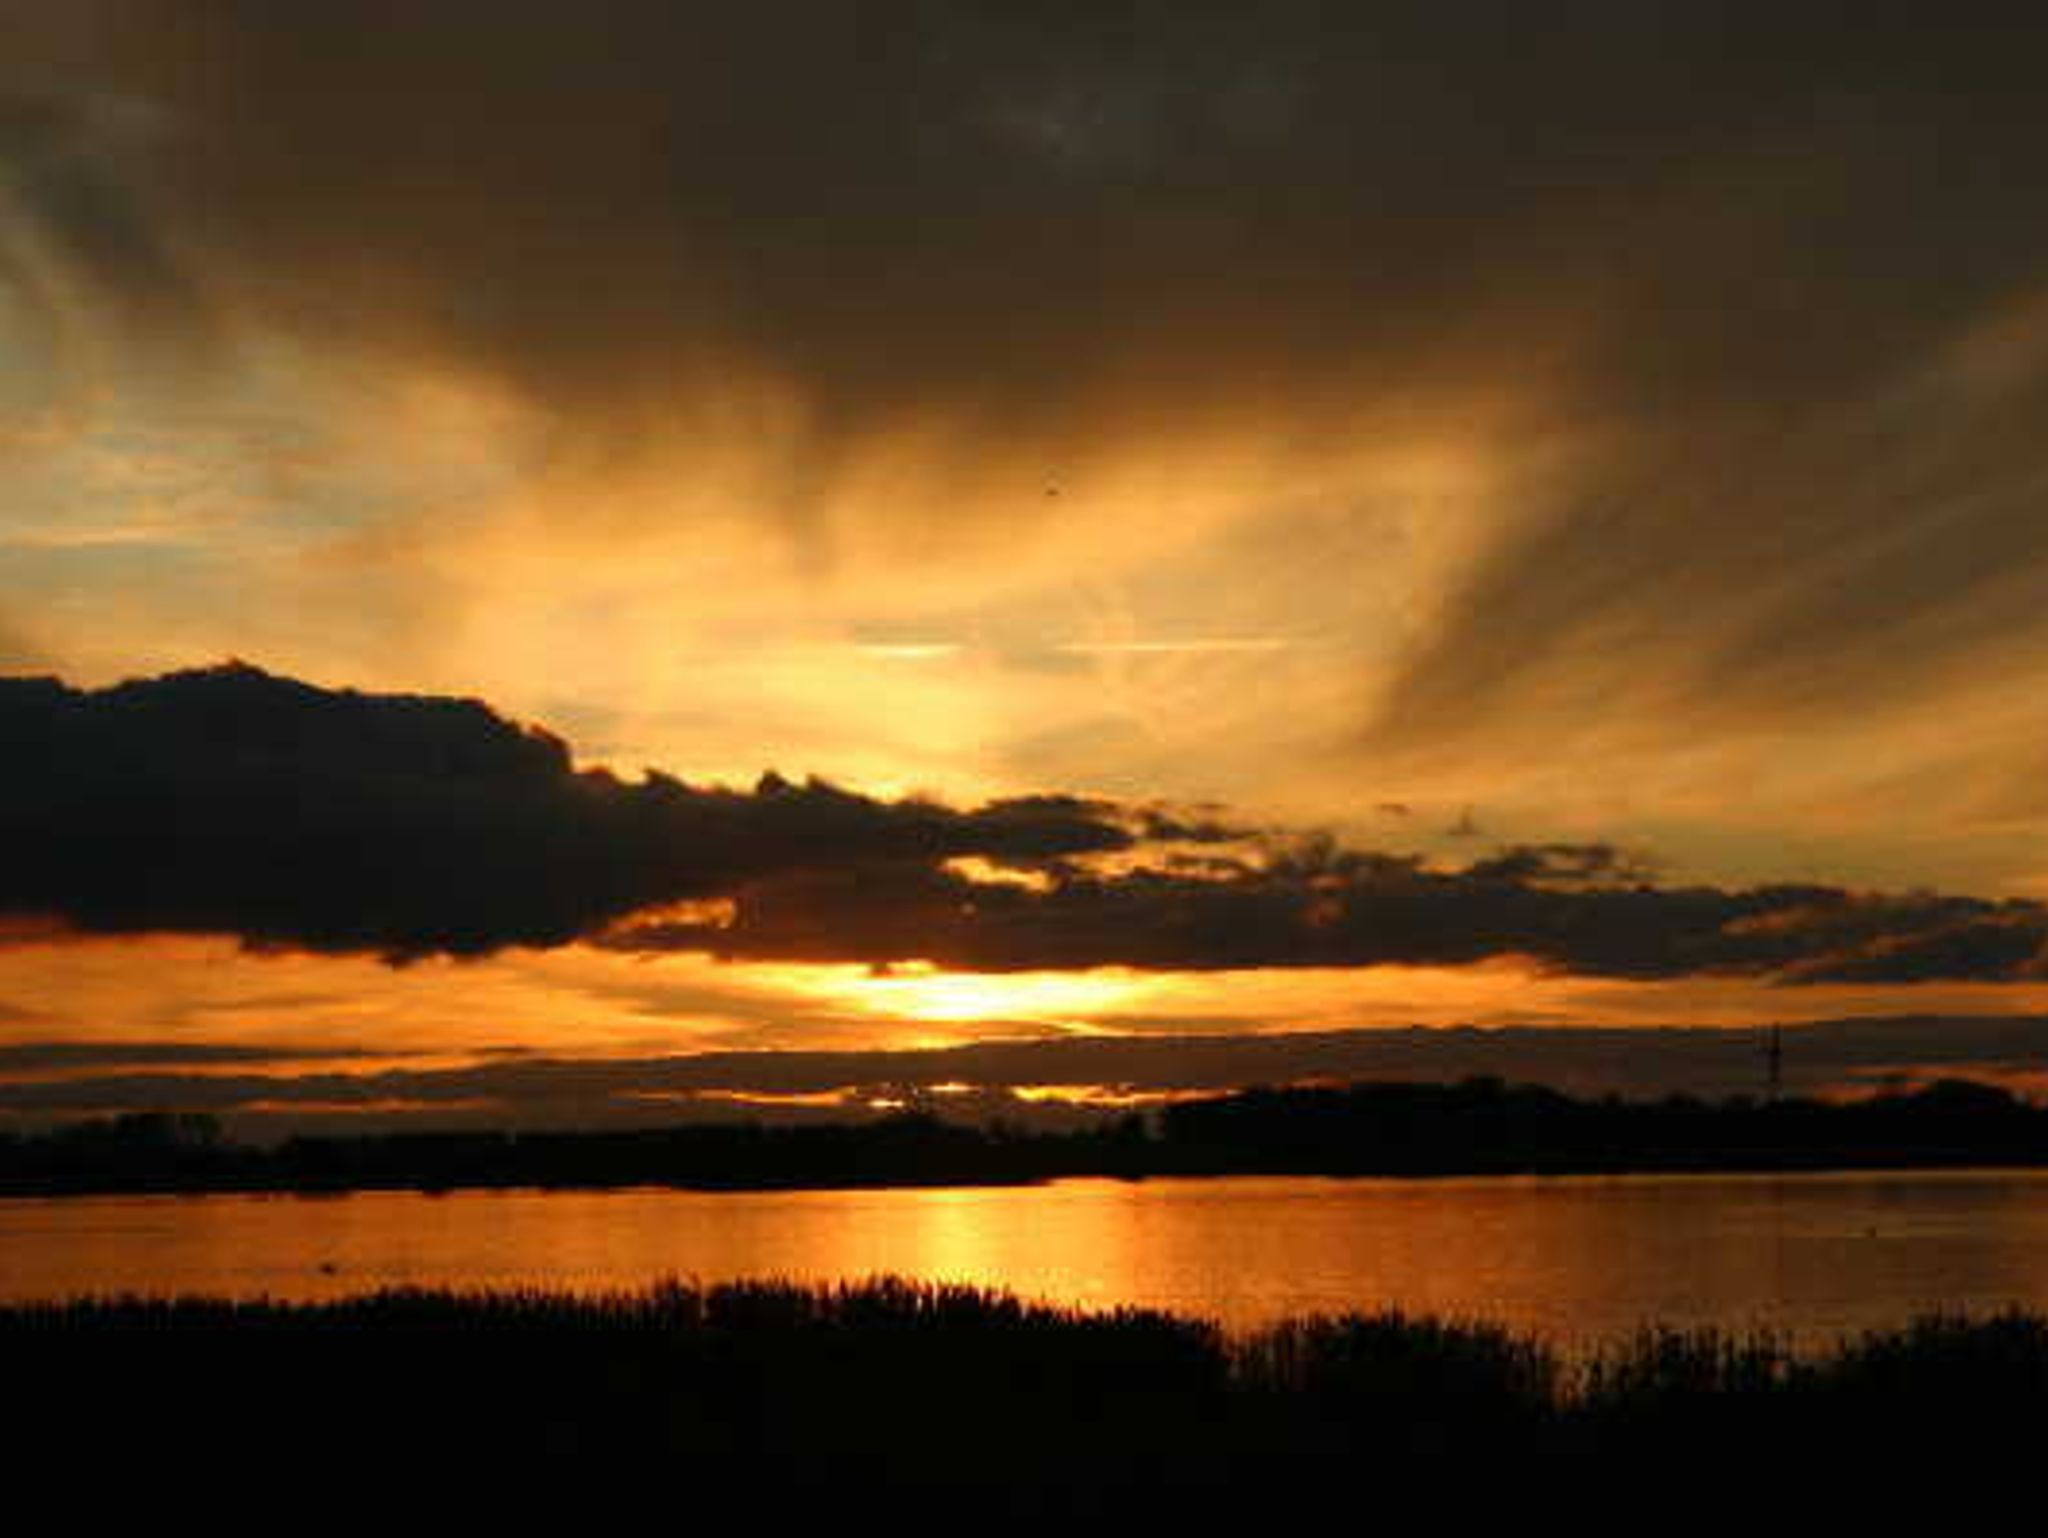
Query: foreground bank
point(890, 1388)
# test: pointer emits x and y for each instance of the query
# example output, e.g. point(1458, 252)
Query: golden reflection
point(1577, 1259)
point(958, 1236)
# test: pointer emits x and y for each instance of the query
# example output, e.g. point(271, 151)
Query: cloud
point(1707, 1060)
point(1718, 334)
point(230, 801)
point(61, 157)
point(1577, 911)
point(1025, 221)
point(1991, 945)
point(97, 1057)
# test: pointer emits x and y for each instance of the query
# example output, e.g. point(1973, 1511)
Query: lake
point(1578, 1259)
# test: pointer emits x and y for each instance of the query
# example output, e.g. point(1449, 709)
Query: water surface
point(1580, 1259)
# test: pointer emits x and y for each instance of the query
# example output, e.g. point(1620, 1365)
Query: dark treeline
point(1480, 1126)
point(1483, 1126)
point(961, 1398)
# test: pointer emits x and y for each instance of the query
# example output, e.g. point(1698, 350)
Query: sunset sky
point(570, 547)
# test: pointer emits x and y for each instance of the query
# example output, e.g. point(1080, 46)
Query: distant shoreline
point(1476, 1128)
point(1846, 1165)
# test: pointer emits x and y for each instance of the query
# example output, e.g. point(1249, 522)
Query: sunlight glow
point(922, 992)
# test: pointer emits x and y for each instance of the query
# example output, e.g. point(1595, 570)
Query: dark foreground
point(944, 1399)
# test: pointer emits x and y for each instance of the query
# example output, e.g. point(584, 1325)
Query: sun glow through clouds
point(920, 992)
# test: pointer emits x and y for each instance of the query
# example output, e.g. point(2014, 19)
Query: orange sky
point(1637, 446)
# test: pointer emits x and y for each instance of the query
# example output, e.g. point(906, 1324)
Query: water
point(1580, 1260)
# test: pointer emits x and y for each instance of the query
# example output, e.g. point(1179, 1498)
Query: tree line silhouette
point(1478, 1126)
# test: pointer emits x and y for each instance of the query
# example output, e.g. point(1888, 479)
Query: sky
point(568, 562)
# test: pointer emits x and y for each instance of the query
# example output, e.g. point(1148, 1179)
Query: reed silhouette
point(960, 1397)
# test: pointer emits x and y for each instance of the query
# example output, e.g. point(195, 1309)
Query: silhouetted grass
point(896, 1388)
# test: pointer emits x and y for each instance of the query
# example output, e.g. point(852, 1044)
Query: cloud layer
point(230, 801)
point(1314, 905)
point(982, 207)
point(1818, 1055)
point(1644, 400)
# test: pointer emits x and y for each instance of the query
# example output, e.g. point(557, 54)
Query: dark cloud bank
point(991, 205)
point(230, 801)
